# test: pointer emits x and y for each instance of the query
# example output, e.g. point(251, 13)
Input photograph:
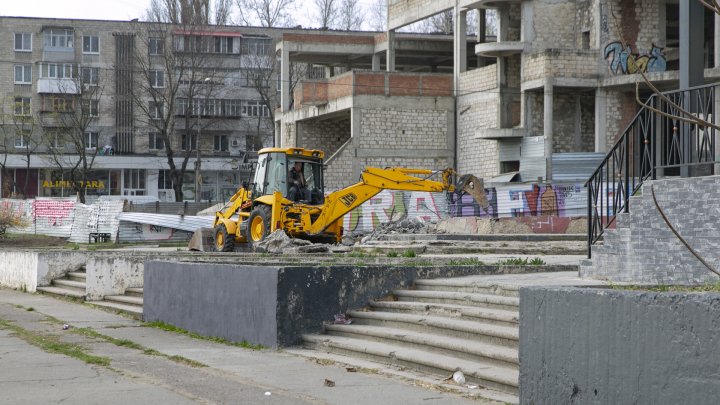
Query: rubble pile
point(280, 242)
point(405, 225)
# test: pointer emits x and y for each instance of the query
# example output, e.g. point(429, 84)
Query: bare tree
point(67, 126)
point(193, 12)
point(21, 137)
point(266, 13)
point(222, 12)
point(350, 15)
point(325, 13)
point(378, 15)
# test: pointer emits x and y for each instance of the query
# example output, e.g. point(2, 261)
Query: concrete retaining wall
point(29, 270)
point(269, 305)
point(113, 273)
point(599, 346)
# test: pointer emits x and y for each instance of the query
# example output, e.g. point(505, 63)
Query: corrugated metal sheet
point(509, 149)
point(136, 232)
point(575, 166)
point(532, 158)
point(186, 223)
point(171, 208)
point(80, 228)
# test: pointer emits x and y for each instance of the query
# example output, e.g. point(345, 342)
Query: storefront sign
point(98, 184)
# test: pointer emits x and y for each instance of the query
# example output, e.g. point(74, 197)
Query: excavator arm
point(374, 180)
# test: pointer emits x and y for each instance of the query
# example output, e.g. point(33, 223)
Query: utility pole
point(198, 162)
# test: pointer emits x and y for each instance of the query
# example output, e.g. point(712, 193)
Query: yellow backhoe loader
point(287, 192)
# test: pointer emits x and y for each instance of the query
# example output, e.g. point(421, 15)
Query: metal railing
point(656, 144)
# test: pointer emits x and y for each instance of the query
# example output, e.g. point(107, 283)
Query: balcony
point(57, 86)
point(499, 49)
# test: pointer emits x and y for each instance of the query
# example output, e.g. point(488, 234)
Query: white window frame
point(233, 108)
point(89, 39)
point(20, 102)
point(155, 110)
point(184, 141)
point(91, 136)
point(218, 141)
point(25, 71)
point(59, 38)
point(91, 78)
point(56, 70)
point(23, 37)
point(254, 108)
point(58, 140)
point(21, 139)
point(92, 107)
point(155, 141)
point(153, 48)
point(157, 78)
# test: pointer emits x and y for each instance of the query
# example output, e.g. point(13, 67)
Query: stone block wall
point(409, 129)
point(643, 249)
point(561, 63)
point(554, 24)
point(573, 122)
point(603, 346)
point(480, 79)
point(478, 111)
point(339, 171)
point(620, 109)
point(326, 136)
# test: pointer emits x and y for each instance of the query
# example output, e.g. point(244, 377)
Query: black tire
point(256, 231)
point(224, 242)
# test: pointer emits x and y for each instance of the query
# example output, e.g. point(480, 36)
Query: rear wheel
point(258, 224)
point(224, 242)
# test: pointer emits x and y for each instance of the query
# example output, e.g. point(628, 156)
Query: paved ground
point(230, 374)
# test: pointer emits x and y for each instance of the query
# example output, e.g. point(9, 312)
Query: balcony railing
point(657, 143)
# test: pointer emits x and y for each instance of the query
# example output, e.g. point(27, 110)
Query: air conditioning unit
point(235, 143)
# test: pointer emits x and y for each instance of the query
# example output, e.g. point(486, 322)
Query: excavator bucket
point(475, 187)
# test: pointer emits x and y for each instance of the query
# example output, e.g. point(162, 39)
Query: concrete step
point(79, 276)
point(532, 237)
point(69, 284)
point(134, 291)
point(124, 299)
point(483, 374)
point(461, 284)
point(132, 310)
point(63, 292)
point(461, 348)
point(487, 315)
point(460, 298)
point(488, 333)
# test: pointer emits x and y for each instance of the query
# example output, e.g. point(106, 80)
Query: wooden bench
point(95, 237)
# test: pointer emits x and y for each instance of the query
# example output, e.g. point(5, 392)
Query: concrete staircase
point(442, 326)
point(71, 285)
point(131, 303)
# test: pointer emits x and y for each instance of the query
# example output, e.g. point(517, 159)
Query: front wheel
point(258, 224)
point(224, 242)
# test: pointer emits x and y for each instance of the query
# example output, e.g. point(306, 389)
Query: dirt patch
point(16, 240)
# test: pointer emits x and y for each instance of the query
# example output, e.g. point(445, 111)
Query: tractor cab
point(295, 172)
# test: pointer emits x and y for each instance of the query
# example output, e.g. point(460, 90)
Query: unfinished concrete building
point(543, 100)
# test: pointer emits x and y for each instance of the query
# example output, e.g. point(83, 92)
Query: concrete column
point(460, 43)
point(600, 120)
point(376, 62)
point(716, 41)
point(285, 80)
point(390, 58)
point(503, 21)
point(692, 63)
point(548, 127)
point(482, 25)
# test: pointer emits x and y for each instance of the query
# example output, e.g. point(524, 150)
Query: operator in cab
point(297, 186)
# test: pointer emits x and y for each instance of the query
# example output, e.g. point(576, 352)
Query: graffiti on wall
point(623, 61)
point(389, 206)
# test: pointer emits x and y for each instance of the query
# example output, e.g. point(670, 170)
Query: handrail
point(656, 143)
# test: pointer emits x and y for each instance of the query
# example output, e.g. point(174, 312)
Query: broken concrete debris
point(280, 242)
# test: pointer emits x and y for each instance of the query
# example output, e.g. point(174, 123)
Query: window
point(91, 108)
point(58, 104)
point(22, 106)
point(21, 139)
point(56, 70)
point(164, 180)
point(23, 74)
point(59, 38)
point(89, 76)
point(156, 110)
point(255, 78)
point(91, 140)
point(182, 106)
point(23, 42)
point(232, 108)
point(157, 79)
point(223, 44)
point(254, 108)
point(156, 141)
point(193, 143)
point(156, 46)
point(221, 143)
point(91, 44)
point(58, 139)
point(134, 181)
point(256, 46)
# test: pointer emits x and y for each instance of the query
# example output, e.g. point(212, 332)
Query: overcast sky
point(83, 9)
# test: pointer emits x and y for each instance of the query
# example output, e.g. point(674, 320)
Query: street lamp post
point(198, 175)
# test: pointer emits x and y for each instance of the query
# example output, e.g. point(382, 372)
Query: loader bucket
point(475, 187)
